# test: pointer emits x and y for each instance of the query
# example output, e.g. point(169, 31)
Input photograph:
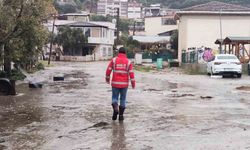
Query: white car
point(224, 64)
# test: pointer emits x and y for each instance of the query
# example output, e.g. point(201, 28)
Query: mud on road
point(167, 110)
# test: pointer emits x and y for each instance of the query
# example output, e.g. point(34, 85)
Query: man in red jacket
point(122, 71)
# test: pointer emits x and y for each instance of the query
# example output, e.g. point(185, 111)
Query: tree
point(66, 8)
point(21, 29)
point(123, 23)
point(71, 39)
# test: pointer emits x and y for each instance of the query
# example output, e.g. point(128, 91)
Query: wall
point(78, 18)
point(103, 52)
point(134, 12)
point(202, 68)
point(203, 30)
point(77, 58)
point(153, 26)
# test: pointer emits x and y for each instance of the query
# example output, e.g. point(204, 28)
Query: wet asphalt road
point(167, 110)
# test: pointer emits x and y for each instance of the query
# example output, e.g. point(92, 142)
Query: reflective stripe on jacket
point(122, 71)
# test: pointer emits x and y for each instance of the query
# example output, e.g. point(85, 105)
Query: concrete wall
point(153, 26)
point(203, 30)
point(103, 52)
point(77, 58)
point(195, 68)
point(202, 68)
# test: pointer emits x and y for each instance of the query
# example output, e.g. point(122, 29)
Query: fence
point(189, 57)
point(165, 55)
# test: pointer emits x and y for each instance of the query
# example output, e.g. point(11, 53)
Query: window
point(87, 32)
point(110, 51)
point(168, 21)
point(104, 53)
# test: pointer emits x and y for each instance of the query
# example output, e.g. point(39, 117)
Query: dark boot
point(115, 111)
point(121, 111)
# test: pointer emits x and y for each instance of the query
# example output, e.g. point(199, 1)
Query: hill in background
point(90, 5)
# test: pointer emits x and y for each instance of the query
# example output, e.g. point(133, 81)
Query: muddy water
point(25, 118)
point(165, 111)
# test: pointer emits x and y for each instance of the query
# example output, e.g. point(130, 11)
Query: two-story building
point(155, 25)
point(83, 16)
point(202, 25)
point(134, 10)
point(109, 7)
point(101, 36)
point(100, 41)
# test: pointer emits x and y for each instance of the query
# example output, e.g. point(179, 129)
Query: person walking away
point(122, 71)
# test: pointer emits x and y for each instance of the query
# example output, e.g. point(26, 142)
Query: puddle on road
point(17, 113)
point(157, 85)
point(71, 81)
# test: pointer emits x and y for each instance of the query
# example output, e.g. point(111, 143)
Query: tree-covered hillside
point(91, 5)
point(177, 4)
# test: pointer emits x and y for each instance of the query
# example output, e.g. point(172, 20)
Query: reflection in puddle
point(160, 85)
point(118, 136)
point(22, 116)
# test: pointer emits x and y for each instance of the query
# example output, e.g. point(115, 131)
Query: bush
point(40, 66)
point(2, 74)
point(17, 75)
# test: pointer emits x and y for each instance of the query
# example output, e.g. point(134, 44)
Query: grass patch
point(45, 63)
point(143, 68)
point(194, 72)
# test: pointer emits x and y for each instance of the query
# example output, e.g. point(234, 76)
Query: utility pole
point(134, 28)
point(118, 26)
point(2, 54)
point(52, 38)
point(221, 33)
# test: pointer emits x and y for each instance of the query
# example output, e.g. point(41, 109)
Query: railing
point(190, 57)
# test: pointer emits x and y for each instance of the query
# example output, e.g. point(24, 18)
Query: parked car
point(225, 64)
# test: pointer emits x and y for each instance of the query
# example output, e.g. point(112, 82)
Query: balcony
point(100, 40)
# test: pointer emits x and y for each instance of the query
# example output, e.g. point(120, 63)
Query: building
point(152, 10)
point(134, 10)
point(100, 40)
point(64, 2)
point(201, 25)
point(112, 7)
point(138, 27)
point(83, 16)
point(155, 25)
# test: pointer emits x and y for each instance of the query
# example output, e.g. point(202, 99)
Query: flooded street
point(167, 110)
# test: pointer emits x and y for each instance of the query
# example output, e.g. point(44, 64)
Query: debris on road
point(206, 97)
point(243, 88)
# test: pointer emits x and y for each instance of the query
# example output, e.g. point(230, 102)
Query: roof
point(102, 23)
point(234, 39)
point(242, 40)
point(152, 39)
point(216, 6)
point(76, 14)
point(167, 33)
point(89, 24)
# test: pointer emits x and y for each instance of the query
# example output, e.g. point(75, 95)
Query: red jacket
point(122, 70)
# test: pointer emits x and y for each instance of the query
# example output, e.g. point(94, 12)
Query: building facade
point(134, 10)
point(100, 43)
point(201, 25)
point(155, 25)
point(112, 7)
point(83, 16)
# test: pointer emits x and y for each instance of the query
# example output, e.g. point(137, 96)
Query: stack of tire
point(248, 68)
point(7, 87)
